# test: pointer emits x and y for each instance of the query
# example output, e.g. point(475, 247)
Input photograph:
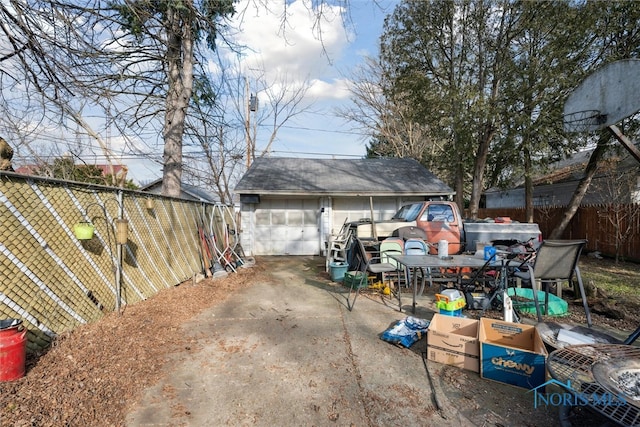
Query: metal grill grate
point(573, 366)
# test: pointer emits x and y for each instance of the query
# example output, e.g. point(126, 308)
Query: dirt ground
point(94, 375)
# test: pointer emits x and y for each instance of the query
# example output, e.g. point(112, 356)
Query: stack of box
point(453, 341)
point(450, 302)
point(510, 353)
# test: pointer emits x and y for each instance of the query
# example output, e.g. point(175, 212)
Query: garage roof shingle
point(388, 176)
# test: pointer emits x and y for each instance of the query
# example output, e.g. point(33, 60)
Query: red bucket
point(13, 349)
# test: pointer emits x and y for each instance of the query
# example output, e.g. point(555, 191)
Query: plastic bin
point(337, 270)
point(450, 294)
point(357, 278)
point(449, 306)
point(455, 313)
point(444, 303)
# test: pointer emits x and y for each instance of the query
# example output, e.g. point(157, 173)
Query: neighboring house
point(27, 169)
point(292, 206)
point(617, 180)
point(187, 191)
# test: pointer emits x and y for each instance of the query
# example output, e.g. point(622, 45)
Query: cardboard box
point(512, 353)
point(454, 341)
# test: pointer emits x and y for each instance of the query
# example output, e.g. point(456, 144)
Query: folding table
point(428, 262)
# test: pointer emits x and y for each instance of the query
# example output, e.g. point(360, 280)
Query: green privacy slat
point(55, 282)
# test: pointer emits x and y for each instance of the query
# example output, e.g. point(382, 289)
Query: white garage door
point(287, 227)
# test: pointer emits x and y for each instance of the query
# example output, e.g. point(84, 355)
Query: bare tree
point(387, 118)
point(226, 130)
point(218, 159)
point(141, 65)
point(135, 58)
point(616, 186)
point(285, 98)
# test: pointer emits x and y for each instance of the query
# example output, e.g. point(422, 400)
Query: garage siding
point(304, 226)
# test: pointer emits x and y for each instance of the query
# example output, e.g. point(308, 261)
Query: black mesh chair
point(373, 262)
point(556, 260)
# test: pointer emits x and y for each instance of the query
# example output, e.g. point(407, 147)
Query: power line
point(95, 152)
point(326, 130)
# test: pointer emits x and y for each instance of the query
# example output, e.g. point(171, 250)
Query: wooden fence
point(596, 223)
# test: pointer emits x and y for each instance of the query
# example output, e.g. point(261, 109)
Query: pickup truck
point(442, 220)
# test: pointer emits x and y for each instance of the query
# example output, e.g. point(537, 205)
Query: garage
point(292, 206)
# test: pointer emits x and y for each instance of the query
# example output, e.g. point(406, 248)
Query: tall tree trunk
point(582, 188)
point(528, 184)
point(459, 197)
point(478, 171)
point(180, 71)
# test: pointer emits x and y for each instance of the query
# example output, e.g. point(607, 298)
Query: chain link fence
point(53, 281)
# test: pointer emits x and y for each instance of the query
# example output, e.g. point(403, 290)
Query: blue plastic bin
point(337, 270)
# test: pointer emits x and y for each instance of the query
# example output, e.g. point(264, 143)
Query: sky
point(301, 55)
point(278, 43)
point(327, 64)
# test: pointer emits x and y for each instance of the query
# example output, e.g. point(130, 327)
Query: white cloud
point(294, 54)
point(336, 89)
point(288, 42)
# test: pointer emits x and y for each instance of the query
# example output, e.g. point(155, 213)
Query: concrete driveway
point(287, 352)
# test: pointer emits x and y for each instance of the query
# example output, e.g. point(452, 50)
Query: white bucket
point(443, 248)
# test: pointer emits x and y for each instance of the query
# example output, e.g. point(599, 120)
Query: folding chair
point(416, 246)
point(556, 260)
point(374, 262)
point(391, 245)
